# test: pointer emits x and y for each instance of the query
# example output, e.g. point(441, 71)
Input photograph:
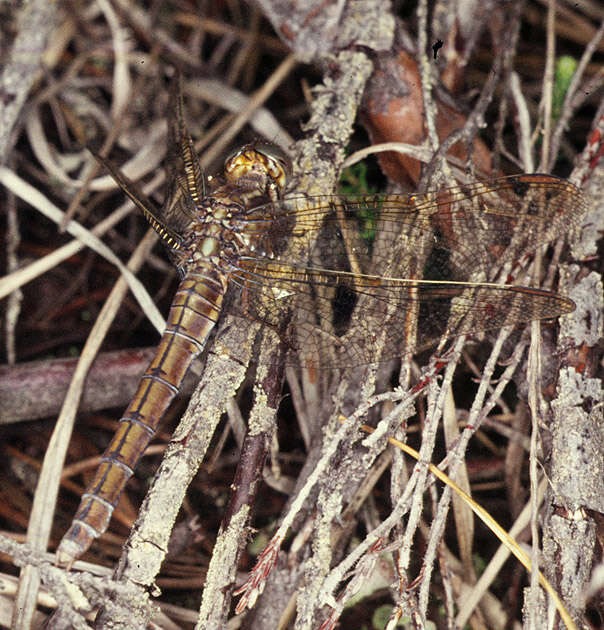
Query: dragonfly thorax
point(226, 228)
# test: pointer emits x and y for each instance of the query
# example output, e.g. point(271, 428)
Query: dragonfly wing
point(479, 227)
point(150, 211)
point(343, 317)
point(184, 174)
point(470, 230)
point(400, 271)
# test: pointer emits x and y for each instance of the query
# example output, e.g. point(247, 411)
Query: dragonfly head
point(259, 159)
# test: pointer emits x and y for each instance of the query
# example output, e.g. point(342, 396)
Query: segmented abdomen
point(193, 313)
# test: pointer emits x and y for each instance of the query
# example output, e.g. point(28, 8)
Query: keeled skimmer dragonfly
point(336, 276)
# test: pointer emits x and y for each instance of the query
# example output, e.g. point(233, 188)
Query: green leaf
point(563, 74)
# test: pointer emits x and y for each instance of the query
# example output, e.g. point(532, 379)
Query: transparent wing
point(353, 275)
point(184, 175)
point(150, 211)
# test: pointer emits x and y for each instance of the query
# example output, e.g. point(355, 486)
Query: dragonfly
point(346, 274)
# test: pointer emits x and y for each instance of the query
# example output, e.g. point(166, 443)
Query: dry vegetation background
point(316, 78)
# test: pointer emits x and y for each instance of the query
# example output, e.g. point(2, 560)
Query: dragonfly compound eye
point(276, 154)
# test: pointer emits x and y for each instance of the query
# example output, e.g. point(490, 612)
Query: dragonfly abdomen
point(194, 312)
